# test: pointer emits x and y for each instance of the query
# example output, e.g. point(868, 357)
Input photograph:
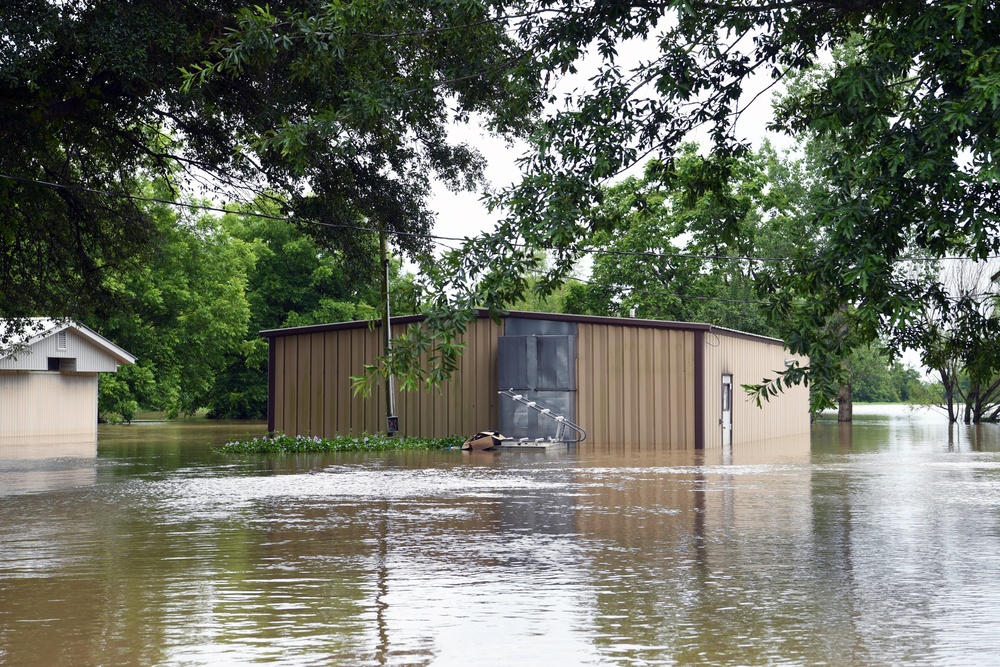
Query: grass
point(364, 443)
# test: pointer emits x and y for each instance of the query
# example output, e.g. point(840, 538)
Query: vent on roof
point(61, 340)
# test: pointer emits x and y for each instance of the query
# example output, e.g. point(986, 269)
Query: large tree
point(342, 108)
point(181, 312)
point(911, 123)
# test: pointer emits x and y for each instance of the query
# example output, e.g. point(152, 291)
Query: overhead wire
point(436, 237)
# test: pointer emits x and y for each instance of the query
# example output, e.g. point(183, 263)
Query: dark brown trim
point(699, 390)
point(555, 317)
point(270, 384)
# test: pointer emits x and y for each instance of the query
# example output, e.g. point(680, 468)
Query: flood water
point(877, 544)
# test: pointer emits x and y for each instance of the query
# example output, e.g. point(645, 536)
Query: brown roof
point(556, 317)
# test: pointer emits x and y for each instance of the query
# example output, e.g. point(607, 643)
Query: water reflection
point(861, 550)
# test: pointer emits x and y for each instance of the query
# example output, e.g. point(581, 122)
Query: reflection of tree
point(702, 566)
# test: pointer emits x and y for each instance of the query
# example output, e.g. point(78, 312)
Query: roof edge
point(482, 313)
point(58, 324)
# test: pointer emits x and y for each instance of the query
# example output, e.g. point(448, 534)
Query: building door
point(726, 420)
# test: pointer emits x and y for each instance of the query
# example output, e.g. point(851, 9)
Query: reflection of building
point(651, 384)
point(48, 389)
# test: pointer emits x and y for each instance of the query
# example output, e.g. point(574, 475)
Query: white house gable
point(69, 347)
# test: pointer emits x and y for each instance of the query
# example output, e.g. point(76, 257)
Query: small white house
point(48, 388)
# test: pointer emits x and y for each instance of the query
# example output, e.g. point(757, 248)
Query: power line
point(436, 237)
point(643, 290)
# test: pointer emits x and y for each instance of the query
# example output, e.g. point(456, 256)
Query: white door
point(726, 420)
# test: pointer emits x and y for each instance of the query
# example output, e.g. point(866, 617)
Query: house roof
point(39, 328)
point(558, 317)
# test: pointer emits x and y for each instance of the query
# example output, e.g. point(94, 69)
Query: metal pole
point(390, 394)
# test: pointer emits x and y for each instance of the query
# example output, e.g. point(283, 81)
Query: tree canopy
point(340, 110)
point(910, 126)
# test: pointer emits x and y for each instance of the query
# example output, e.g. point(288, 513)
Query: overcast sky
point(462, 214)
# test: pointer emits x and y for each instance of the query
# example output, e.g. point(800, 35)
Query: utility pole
point(391, 421)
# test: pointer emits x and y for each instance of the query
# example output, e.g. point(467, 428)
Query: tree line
point(192, 310)
point(337, 115)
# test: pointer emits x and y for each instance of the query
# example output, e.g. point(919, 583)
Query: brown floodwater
point(876, 544)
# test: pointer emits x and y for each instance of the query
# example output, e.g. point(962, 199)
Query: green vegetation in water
point(364, 443)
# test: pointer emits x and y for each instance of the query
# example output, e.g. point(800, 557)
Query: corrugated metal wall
point(39, 409)
point(312, 389)
point(636, 386)
point(749, 362)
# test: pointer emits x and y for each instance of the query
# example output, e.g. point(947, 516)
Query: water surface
point(877, 544)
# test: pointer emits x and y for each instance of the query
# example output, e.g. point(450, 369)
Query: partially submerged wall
point(47, 411)
point(637, 385)
point(640, 384)
point(750, 360)
point(310, 387)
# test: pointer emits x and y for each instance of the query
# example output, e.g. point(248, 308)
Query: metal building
point(629, 382)
point(48, 388)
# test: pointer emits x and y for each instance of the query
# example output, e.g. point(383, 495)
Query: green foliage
point(906, 130)
point(662, 250)
point(875, 378)
point(84, 91)
point(341, 110)
point(957, 333)
point(365, 443)
point(119, 394)
point(180, 313)
point(295, 281)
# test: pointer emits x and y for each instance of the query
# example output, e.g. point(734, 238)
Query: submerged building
point(639, 383)
point(48, 388)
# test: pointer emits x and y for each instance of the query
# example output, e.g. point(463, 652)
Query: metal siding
point(635, 387)
point(644, 403)
point(329, 404)
point(42, 409)
point(630, 390)
point(89, 359)
point(344, 399)
point(464, 405)
point(277, 371)
point(750, 362)
point(317, 357)
point(302, 376)
point(291, 386)
point(659, 409)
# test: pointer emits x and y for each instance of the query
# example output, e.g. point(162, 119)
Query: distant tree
point(181, 312)
point(662, 252)
point(957, 334)
point(296, 281)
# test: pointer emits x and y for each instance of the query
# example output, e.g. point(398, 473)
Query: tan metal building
point(48, 388)
point(628, 382)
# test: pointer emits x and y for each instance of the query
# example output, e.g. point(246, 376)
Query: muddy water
point(873, 545)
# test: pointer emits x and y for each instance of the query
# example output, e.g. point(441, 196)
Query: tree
point(658, 252)
point(912, 121)
point(340, 108)
point(181, 313)
point(957, 334)
point(85, 90)
point(295, 281)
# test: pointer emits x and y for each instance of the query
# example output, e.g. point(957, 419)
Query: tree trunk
point(949, 395)
point(845, 404)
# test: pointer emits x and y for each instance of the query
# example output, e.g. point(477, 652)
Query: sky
point(463, 214)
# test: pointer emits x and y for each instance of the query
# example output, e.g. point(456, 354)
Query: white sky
point(462, 214)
